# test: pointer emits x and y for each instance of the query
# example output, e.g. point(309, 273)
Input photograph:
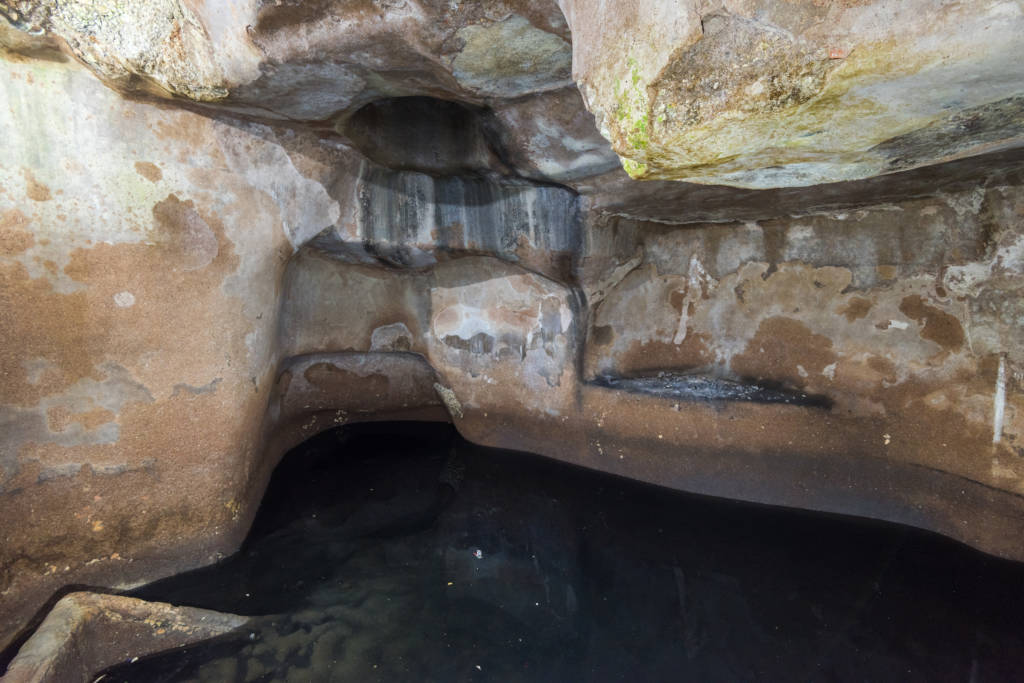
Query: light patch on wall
point(999, 402)
point(85, 414)
point(124, 299)
point(829, 371)
point(306, 207)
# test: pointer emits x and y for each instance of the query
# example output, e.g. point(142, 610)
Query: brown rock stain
point(14, 238)
point(165, 510)
point(676, 299)
point(149, 171)
point(856, 308)
point(650, 356)
point(164, 484)
point(34, 189)
point(194, 134)
point(64, 335)
point(938, 326)
point(273, 18)
point(779, 346)
point(453, 235)
point(884, 367)
point(81, 329)
point(185, 232)
point(518, 319)
point(603, 335)
point(942, 438)
point(331, 378)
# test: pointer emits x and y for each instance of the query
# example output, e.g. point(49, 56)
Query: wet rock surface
point(366, 563)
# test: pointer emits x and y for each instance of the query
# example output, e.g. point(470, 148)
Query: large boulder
point(141, 256)
point(759, 93)
point(310, 61)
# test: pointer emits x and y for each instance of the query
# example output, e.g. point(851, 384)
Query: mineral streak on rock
point(449, 400)
point(409, 219)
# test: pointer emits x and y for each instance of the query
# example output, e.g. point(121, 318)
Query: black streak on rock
point(683, 387)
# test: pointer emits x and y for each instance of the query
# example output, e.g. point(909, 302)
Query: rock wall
point(218, 237)
point(862, 361)
point(142, 251)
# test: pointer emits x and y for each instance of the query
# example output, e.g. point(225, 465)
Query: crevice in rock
point(698, 387)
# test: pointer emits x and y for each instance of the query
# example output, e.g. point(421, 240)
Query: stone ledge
point(88, 632)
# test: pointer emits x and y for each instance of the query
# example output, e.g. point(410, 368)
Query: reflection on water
point(380, 555)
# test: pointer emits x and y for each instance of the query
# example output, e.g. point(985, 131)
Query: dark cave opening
point(426, 134)
point(402, 552)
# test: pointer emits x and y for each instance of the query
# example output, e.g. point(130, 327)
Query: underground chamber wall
point(400, 551)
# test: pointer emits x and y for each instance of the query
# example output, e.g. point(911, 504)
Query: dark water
point(362, 566)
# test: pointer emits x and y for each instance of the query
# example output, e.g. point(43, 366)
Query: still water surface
point(401, 553)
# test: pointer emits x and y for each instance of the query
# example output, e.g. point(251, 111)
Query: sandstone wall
point(142, 251)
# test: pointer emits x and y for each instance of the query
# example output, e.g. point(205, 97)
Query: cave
point(749, 266)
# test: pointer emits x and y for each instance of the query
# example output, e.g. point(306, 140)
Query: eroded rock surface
point(281, 217)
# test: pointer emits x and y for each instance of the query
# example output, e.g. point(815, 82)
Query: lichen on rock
point(761, 94)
